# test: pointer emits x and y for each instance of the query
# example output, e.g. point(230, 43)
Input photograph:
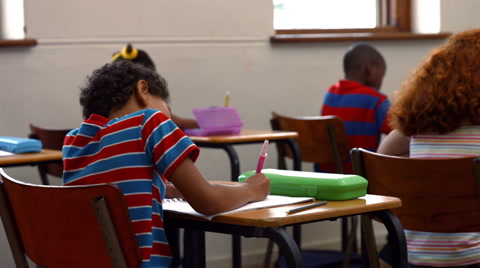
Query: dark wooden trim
point(16, 43)
point(403, 15)
point(395, 20)
point(365, 36)
point(337, 31)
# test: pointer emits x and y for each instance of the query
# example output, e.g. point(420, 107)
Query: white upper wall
point(148, 18)
point(459, 15)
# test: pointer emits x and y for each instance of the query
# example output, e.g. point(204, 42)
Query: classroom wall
point(203, 48)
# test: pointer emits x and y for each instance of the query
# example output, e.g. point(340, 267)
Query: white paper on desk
point(5, 153)
point(270, 201)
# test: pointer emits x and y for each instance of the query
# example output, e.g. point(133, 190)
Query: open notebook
point(216, 121)
point(181, 206)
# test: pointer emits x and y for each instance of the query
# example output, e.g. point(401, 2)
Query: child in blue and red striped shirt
point(128, 139)
point(357, 100)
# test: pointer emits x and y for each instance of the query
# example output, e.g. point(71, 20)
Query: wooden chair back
point(51, 139)
point(438, 195)
point(67, 226)
point(321, 139)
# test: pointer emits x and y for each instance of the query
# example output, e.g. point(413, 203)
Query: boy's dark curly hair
point(444, 92)
point(109, 87)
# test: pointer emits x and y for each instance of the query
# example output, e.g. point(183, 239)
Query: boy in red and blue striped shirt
point(357, 100)
point(128, 139)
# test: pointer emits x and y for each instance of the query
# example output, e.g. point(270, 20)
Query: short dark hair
point(110, 87)
point(360, 54)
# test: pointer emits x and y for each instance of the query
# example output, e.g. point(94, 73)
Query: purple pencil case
point(216, 121)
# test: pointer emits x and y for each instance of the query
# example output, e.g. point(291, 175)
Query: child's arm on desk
point(210, 199)
point(172, 191)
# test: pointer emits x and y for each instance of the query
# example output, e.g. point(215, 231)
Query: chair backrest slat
point(438, 195)
point(51, 139)
point(321, 139)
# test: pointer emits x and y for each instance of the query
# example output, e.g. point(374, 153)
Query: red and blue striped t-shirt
point(363, 111)
point(138, 152)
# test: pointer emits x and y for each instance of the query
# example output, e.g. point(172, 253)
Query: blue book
point(20, 145)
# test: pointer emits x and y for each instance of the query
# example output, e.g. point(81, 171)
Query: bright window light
point(324, 14)
point(12, 19)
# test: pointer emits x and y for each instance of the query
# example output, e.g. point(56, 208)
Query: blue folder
point(19, 145)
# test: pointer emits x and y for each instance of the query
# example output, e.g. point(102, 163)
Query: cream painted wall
point(459, 15)
point(203, 49)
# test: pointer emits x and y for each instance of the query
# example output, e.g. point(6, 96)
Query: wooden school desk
point(270, 223)
point(248, 136)
point(25, 159)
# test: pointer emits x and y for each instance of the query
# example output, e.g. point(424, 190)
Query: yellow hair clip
point(129, 55)
point(116, 56)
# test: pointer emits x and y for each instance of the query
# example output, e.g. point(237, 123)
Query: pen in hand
point(293, 210)
point(263, 156)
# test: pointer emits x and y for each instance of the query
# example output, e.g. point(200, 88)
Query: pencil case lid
point(324, 186)
point(19, 145)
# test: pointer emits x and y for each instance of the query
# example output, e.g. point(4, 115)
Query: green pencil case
point(324, 186)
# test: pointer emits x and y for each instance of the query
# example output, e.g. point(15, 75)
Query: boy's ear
point(369, 69)
point(369, 73)
point(141, 93)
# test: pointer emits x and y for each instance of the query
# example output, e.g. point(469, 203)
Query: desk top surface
point(277, 216)
point(246, 135)
point(45, 155)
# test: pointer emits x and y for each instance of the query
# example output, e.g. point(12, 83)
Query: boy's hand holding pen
point(258, 181)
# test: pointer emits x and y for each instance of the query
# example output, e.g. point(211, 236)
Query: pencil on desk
point(227, 98)
point(293, 210)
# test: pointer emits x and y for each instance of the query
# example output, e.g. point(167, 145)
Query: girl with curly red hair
point(436, 114)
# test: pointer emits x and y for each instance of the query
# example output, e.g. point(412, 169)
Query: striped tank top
point(445, 249)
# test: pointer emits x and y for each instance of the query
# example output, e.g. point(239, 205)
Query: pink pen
point(263, 156)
